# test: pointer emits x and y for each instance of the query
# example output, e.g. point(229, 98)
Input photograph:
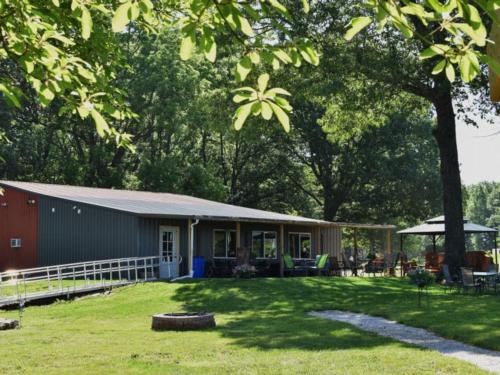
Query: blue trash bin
point(198, 267)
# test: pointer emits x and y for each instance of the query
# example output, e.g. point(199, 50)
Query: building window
point(264, 244)
point(224, 243)
point(300, 245)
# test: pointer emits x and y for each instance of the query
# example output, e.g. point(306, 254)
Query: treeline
point(356, 152)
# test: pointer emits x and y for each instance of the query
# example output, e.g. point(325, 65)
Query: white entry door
point(169, 252)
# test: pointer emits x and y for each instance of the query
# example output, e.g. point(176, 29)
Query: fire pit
point(182, 321)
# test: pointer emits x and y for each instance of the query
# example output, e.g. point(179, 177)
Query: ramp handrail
point(41, 282)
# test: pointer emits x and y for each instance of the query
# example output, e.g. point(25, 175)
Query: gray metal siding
point(64, 236)
point(148, 241)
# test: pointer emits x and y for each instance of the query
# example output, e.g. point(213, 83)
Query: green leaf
point(281, 116)
point(267, 111)
point(450, 72)
point(241, 115)
point(434, 50)
point(469, 67)
point(436, 5)
point(243, 68)
point(493, 64)
point(263, 81)
point(10, 95)
point(254, 57)
point(305, 6)
point(477, 35)
point(120, 18)
point(283, 56)
point(279, 7)
point(101, 125)
point(187, 45)
point(245, 26)
point(309, 54)
point(439, 67)
point(276, 91)
point(356, 25)
point(86, 21)
point(208, 45)
point(238, 98)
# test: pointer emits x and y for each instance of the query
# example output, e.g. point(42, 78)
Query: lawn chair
point(321, 266)
point(468, 281)
point(289, 264)
point(448, 282)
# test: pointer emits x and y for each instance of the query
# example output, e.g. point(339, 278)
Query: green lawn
point(262, 328)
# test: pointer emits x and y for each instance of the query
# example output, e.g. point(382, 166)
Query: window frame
point(300, 237)
point(227, 238)
point(263, 232)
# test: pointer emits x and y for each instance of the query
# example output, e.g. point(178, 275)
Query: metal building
point(44, 224)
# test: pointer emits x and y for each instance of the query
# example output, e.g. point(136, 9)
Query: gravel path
point(486, 359)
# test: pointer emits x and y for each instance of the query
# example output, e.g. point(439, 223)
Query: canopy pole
point(401, 238)
point(355, 245)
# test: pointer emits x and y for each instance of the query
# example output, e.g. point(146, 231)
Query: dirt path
point(486, 359)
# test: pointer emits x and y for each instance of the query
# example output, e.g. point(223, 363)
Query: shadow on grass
point(272, 313)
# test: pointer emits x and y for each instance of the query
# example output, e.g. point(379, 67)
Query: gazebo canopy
point(435, 226)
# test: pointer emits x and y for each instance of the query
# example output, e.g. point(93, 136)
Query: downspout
point(190, 256)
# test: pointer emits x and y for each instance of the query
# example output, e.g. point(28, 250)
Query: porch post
point(238, 235)
point(282, 249)
point(496, 251)
point(190, 247)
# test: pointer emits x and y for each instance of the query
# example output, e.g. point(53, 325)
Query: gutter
point(190, 256)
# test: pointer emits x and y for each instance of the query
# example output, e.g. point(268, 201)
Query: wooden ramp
point(23, 286)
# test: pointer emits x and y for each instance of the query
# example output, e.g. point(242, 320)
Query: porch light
point(31, 202)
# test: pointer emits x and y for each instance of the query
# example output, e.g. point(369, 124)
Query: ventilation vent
point(15, 242)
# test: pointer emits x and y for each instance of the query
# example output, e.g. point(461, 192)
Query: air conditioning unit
point(15, 242)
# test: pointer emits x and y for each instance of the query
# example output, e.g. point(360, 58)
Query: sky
point(479, 152)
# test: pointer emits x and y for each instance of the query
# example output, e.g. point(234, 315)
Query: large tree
point(415, 56)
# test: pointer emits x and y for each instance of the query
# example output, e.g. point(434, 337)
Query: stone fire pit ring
point(183, 321)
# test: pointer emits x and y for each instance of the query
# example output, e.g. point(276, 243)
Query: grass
point(262, 327)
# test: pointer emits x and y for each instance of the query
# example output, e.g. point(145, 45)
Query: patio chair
point(321, 265)
point(448, 282)
point(289, 265)
point(468, 281)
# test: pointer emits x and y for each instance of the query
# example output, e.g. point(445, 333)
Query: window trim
point(300, 236)
point(226, 231)
point(264, 233)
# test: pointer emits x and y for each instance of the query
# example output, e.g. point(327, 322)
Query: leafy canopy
point(459, 24)
point(66, 50)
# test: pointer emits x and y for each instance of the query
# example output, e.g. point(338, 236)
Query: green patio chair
point(321, 265)
point(289, 265)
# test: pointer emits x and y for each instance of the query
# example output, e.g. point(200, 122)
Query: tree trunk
point(445, 134)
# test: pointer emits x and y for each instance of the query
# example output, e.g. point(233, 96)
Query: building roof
point(150, 204)
point(436, 226)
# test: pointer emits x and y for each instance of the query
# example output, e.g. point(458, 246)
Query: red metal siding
point(18, 219)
